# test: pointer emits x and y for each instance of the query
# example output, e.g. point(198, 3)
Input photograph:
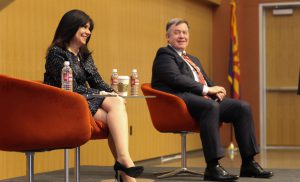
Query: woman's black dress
point(84, 71)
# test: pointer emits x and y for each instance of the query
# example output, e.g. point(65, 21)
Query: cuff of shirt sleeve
point(205, 90)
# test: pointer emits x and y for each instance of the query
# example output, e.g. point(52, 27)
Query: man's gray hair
point(176, 21)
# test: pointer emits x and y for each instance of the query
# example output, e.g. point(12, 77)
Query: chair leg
point(183, 170)
point(77, 165)
point(66, 153)
point(29, 166)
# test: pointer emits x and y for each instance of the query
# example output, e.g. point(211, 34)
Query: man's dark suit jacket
point(170, 73)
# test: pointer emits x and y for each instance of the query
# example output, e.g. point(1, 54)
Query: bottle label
point(67, 77)
point(134, 81)
point(114, 81)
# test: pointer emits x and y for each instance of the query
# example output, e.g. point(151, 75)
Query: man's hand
point(220, 96)
point(217, 91)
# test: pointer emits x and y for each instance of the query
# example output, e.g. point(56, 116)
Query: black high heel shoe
point(134, 172)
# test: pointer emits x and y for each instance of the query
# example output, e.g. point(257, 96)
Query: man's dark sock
point(247, 160)
point(212, 163)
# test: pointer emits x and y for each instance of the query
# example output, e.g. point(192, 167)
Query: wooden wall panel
point(282, 45)
point(127, 35)
point(283, 119)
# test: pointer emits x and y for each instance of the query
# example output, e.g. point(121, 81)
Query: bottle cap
point(66, 63)
point(114, 70)
point(134, 70)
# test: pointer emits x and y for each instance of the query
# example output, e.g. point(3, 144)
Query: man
point(181, 74)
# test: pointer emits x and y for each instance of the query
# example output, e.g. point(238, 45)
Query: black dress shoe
point(253, 169)
point(218, 173)
point(131, 171)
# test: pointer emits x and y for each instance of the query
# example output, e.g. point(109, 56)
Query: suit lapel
point(183, 66)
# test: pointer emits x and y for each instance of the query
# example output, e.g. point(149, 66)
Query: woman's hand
point(114, 94)
point(108, 93)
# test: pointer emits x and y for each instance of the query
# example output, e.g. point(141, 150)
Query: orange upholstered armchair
point(99, 130)
point(36, 117)
point(169, 114)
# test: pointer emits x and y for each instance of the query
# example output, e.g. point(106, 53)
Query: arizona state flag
point(234, 60)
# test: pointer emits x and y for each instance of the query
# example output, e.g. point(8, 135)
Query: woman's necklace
point(76, 54)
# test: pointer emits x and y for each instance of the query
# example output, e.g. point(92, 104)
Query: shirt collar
point(177, 51)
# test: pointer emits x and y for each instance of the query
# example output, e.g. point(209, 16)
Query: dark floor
point(105, 174)
point(284, 164)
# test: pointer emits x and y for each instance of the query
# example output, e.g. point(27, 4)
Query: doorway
point(279, 69)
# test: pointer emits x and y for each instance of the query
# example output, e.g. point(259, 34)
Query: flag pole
point(234, 70)
point(231, 148)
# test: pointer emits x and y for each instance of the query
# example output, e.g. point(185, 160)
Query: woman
point(70, 44)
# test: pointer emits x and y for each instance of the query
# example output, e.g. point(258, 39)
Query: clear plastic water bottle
point(67, 77)
point(134, 83)
point(114, 79)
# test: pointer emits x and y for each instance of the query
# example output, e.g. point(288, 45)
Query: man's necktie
point(200, 75)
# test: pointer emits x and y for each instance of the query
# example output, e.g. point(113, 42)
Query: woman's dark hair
point(67, 28)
